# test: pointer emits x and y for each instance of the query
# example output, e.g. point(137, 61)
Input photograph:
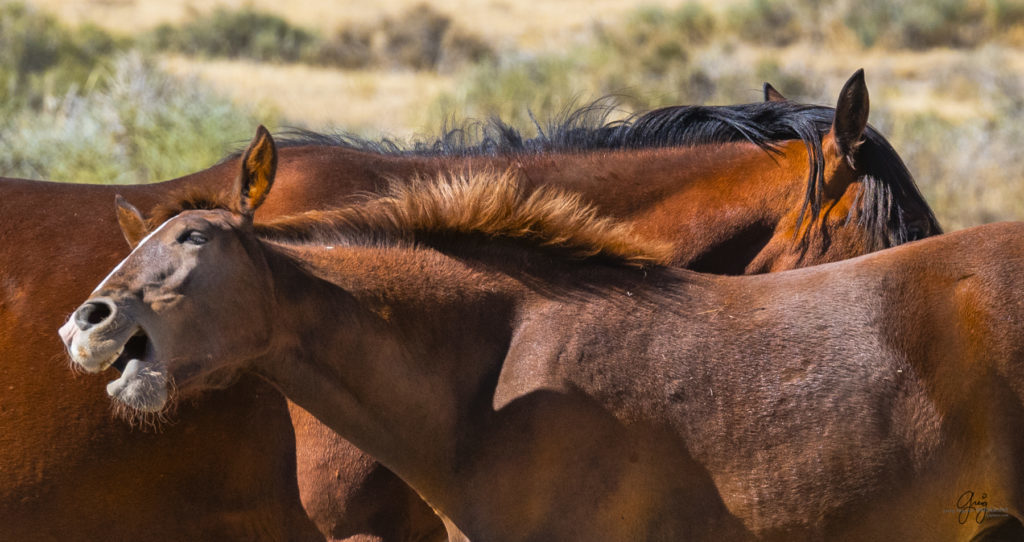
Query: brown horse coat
point(514, 360)
point(66, 471)
point(727, 206)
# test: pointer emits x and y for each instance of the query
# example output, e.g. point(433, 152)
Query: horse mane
point(885, 197)
point(887, 189)
point(449, 210)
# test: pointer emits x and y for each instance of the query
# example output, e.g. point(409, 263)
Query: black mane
point(588, 129)
point(888, 187)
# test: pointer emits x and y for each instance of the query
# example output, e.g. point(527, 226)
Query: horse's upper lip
point(109, 344)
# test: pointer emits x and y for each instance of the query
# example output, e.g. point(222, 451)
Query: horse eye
point(193, 237)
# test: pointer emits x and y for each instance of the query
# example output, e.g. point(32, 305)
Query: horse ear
point(259, 165)
point(851, 116)
point(771, 94)
point(133, 226)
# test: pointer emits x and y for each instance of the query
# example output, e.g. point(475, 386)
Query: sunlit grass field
point(144, 90)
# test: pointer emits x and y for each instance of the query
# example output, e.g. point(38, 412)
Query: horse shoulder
point(531, 362)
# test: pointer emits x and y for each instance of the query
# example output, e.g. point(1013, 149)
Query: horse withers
point(534, 372)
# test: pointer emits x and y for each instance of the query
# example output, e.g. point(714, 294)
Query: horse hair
point(887, 189)
point(441, 209)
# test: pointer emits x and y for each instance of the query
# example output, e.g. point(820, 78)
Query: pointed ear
point(771, 94)
point(259, 164)
point(133, 226)
point(851, 116)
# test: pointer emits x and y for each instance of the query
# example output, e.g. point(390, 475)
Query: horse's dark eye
point(193, 237)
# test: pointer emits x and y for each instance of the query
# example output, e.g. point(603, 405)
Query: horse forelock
point(189, 199)
point(447, 212)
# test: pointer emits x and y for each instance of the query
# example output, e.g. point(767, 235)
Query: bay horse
point(725, 184)
point(536, 372)
point(738, 189)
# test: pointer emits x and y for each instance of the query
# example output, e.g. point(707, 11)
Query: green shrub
point(792, 85)
point(39, 56)
point(690, 24)
point(968, 171)
point(1005, 14)
point(140, 125)
point(512, 91)
point(922, 24)
point(773, 22)
point(655, 40)
point(245, 33)
point(548, 85)
point(421, 38)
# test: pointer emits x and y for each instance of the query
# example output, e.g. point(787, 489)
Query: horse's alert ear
point(259, 164)
point(133, 226)
point(771, 94)
point(851, 116)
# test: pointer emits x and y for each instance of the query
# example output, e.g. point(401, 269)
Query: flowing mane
point(888, 187)
point(452, 209)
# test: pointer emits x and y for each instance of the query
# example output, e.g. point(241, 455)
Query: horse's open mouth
point(135, 348)
point(143, 381)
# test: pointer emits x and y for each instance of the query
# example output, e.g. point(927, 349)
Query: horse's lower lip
point(134, 348)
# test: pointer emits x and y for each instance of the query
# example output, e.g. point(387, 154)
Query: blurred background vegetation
point(126, 91)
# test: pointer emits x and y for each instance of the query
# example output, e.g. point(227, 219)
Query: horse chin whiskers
point(143, 394)
point(67, 360)
point(148, 420)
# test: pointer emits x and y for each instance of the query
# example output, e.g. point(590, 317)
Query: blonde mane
point(489, 205)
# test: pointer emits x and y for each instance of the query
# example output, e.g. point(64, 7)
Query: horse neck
point(622, 182)
point(392, 349)
point(718, 204)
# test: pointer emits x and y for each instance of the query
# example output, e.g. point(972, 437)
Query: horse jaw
point(142, 385)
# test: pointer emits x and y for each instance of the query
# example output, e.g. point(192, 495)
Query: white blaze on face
point(119, 265)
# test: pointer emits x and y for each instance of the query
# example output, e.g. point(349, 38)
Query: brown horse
point(730, 187)
point(66, 471)
point(724, 184)
point(803, 184)
point(521, 364)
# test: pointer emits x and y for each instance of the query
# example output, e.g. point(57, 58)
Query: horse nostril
point(92, 313)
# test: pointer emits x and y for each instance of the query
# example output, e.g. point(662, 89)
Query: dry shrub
point(421, 38)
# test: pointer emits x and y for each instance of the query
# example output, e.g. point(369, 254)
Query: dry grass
point(367, 102)
point(525, 24)
point(903, 82)
point(372, 102)
point(395, 103)
point(954, 114)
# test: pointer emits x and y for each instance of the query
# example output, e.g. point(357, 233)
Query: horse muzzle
point(97, 335)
